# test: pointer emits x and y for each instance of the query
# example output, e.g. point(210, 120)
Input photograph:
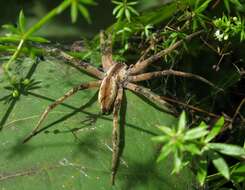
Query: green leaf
point(161, 139)
point(10, 28)
point(192, 148)
point(116, 9)
point(127, 14)
point(133, 11)
point(37, 39)
point(236, 2)
point(165, 151)
point(194, 24)
point(215, 129)
point(120, 13)
point(168, 131)
point(74, 7)
point(202, 171)
point(228, 149)
point(88, 2)
point(182, 122)
point(84, 11)
point(203, 125)
point(132, 3)
point(227, 5)
point(195, 133)
point(177, 163)
point(22, 21)
point(117, 2)
point(238, 172)
point(56, 159)
point(203, 7)
point(221, 166)
point(12, 38)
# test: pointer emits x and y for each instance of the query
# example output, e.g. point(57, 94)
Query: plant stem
point(56, 11)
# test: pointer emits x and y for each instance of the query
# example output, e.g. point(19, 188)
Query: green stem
point(37, 26)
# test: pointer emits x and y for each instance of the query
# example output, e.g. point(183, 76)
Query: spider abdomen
point(109, 87)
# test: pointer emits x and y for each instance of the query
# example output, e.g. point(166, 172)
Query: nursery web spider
point(112, 81)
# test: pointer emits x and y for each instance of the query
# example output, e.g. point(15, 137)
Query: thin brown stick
point(152, 97)
point(29, 172)
point(147, 50)
point(116, 136)
point(88, 68)
point(140, 66)
point(59, 101)
point(193, 108)
point(106, 51)
point(147, 76)
point(238, 109)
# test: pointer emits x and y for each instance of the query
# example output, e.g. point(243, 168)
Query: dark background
point(61, 28)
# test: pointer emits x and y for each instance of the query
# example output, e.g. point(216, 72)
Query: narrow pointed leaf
point(133, 11)
point(227, 5)
point(38, 39)
point(84, 11)
point(202, 171)
point(88, 2)
point(74, 12)
point(132, 3)
point(193, 149)
point(127, 14)
point(165, 151)
point(22, 21)
point(120, 13)
point(116, 9)
point(228, 149)
point(215, 130)
point(166, 130)
point(116, 2)
point(177, 163)
point(203, 7)
point(182, 122)
point(12, 38)
point(10, 28)
point(195, 133)
point(221, 165)
point(161, 139)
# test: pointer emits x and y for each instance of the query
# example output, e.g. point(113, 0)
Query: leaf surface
point(74, 151)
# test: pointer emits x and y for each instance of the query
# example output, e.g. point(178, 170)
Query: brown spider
point(114, 78)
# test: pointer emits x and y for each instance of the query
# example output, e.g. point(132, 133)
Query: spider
point(112, 81)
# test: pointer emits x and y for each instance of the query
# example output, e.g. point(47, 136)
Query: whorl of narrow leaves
point(195, 142)
point(124, 9)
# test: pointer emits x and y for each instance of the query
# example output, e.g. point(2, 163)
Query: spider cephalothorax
point(111, 82)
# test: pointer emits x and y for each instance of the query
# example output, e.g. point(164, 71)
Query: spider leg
point(71, 92)
point(147, 93)
point(147, 76)
point(116, 136)
point(106, 51)
point(141, 65)
point(88, 68)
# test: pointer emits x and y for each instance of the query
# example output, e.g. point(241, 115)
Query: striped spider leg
point(68, 94)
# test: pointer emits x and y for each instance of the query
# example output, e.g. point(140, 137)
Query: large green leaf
point(55, 159)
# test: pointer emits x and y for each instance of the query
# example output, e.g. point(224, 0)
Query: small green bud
point(15, 93)
point(26, 82)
